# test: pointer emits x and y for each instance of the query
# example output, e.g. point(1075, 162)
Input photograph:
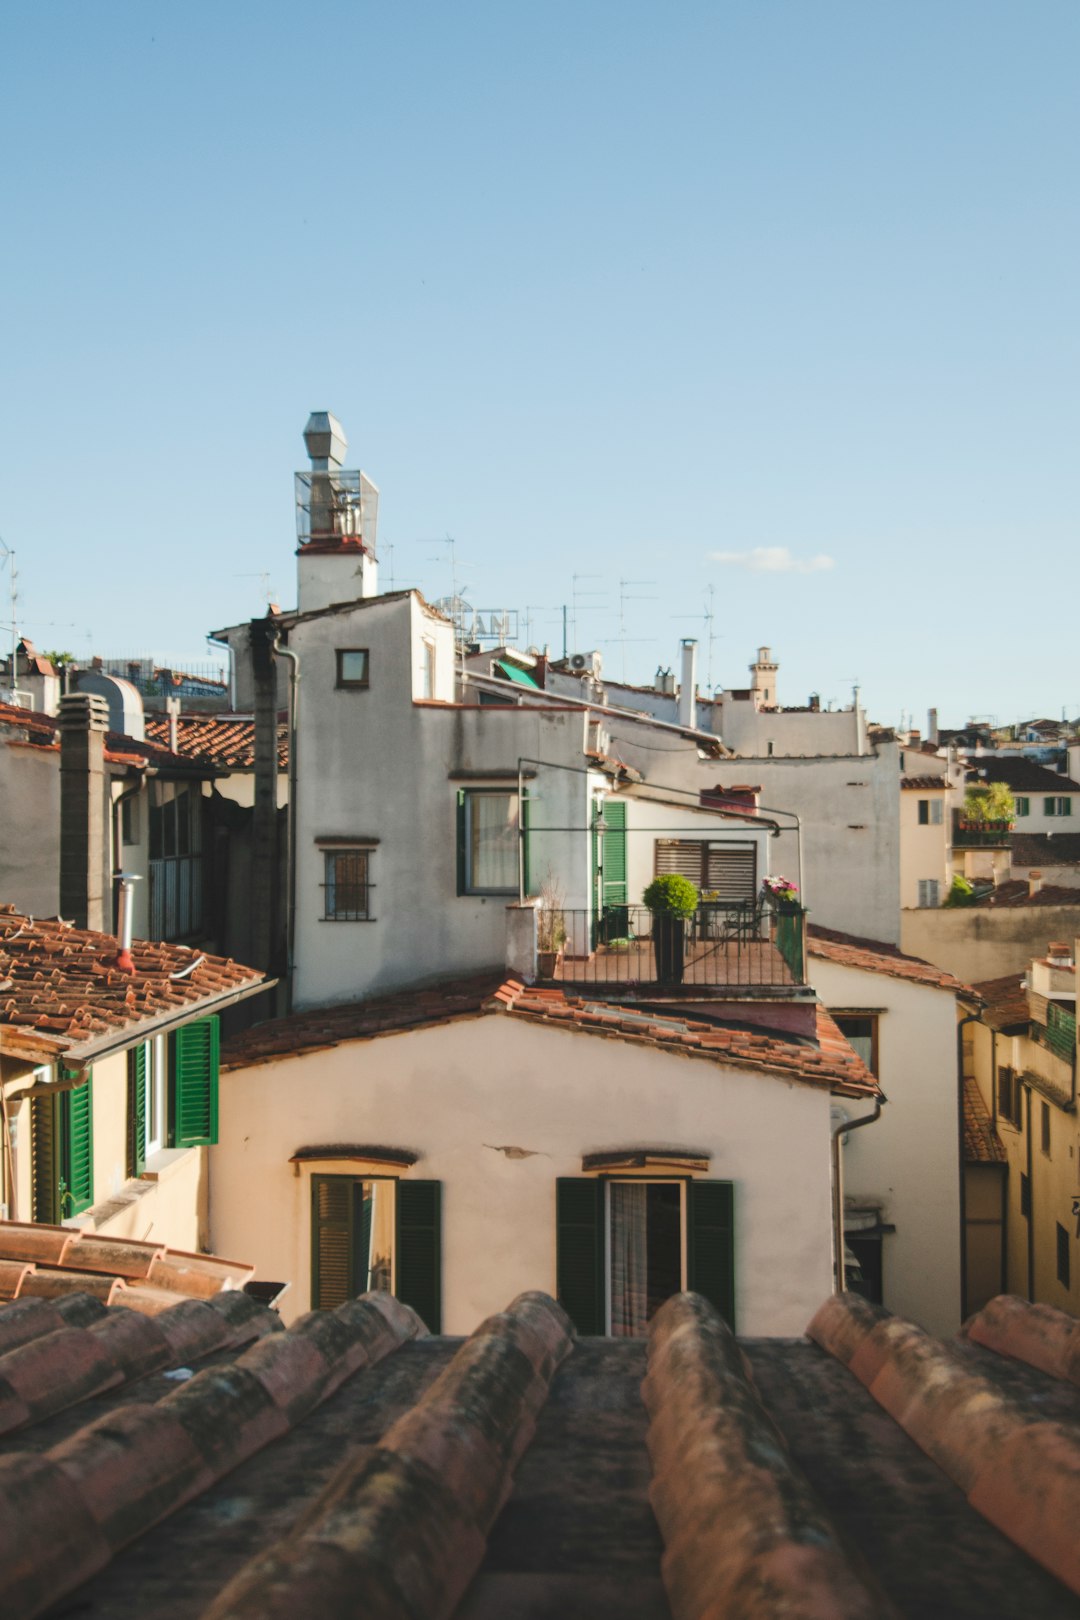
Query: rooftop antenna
point(267, 591)
point(709, 618)
point(577, 596)
point(7, 557)
point(624, 597)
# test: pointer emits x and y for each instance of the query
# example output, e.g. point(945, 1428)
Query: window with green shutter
point(618, 1244)
point(369, 1234)
point(193, 1084)
point(62, 1152)
point(136, 1109)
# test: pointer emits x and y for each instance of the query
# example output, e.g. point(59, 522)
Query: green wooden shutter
point(710, 1247)
point(462, 831)
point(193, 1084)
point(418, 1261)
point(44, 1159)
point(77, 1148)
point(615, 893)
point(331, 1241)
point(579, 1251)
point(136, 1110)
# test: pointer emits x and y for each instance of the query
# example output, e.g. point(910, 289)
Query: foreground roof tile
point(876, 956)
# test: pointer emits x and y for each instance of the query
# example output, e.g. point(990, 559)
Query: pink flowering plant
point(779, 888)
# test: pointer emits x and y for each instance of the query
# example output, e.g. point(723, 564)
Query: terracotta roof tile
point(876, 957)
point(1005, 1001)
point(225, 740)
point(922, 784)
point(1017, 893)
point(1045, 849)
point(831, 1062)
point(982, 1144)
point(62, 981)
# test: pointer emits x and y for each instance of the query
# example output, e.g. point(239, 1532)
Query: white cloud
point(773, 560)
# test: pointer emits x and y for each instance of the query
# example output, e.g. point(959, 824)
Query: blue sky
point(603, 289)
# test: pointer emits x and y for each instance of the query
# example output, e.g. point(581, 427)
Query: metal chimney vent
point(325, 439)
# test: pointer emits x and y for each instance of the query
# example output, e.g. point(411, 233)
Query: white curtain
point(494, 841)
point(629, 1259)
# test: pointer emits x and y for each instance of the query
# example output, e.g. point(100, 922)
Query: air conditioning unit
point(590, 662)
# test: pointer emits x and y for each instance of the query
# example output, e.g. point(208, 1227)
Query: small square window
point(861, 1033)
point(347, 887)
point(352, 666)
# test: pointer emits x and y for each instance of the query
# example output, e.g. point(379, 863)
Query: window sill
point(348, 919)
point(164, 1164)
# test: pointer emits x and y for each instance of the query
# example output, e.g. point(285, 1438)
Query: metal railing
point(980, 834)
point(720, 946)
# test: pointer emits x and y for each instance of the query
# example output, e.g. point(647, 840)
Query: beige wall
point(909, 1160)
point(457, 1093)
point(1055, 1176)
point(171, 1205)
point(976, 942)
point(924, 851)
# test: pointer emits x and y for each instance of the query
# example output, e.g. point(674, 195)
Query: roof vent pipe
point(688, 685)
point(125, 909)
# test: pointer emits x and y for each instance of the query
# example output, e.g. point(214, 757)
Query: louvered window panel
point(332, 1241)
point(193, 1082)
point(731, 870)
point(682, 855)
point(44, 1166)
point(77, 1140)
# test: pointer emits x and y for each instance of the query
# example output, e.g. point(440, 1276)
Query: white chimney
point(688, 685)
point(337, 511)
point(1035, 883)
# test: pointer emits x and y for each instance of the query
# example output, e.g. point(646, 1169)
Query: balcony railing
point(980, 834)
point(737, 947)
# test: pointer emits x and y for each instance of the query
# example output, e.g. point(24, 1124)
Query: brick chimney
point(84, 854)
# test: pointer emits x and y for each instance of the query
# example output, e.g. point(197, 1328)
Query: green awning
point(513, 673)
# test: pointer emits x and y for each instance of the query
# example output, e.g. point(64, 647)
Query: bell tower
point(763, 680)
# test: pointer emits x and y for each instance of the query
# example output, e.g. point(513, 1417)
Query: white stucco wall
point(748, 730)
point(30, 819)
point(908, 1159)
point(375, 764)
point(850, 820)
point(648, 820)
point(447, 1092)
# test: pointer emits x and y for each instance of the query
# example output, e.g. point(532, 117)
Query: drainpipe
point(290, 876)
point(1031, 1206)
point(838, 1189)
point(117, 819)
point(969, 1018)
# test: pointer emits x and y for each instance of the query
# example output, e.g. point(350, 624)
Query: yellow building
point(1020, 1051)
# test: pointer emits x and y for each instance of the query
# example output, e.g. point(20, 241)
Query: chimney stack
point(688, 685)
point(84, 855)
point(1035, 882)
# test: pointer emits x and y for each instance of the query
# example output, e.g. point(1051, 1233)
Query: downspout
point(213, 641)
point(968, 1018)
point(1031, 1207)
point(838, 1190)
point(128, 793)
point(290, 880)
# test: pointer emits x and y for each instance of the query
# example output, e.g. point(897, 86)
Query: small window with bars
point(347, 885)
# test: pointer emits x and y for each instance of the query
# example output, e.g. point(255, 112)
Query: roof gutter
point(82, 1056)
point(559, 700)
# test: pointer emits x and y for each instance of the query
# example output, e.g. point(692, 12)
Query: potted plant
point(671, 899)
point(780, 893)
point(550, 928)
